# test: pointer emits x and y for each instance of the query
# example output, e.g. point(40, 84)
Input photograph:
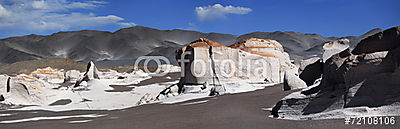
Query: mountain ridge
point(130, 43)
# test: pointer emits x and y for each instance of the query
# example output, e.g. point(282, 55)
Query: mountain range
point(128, 44)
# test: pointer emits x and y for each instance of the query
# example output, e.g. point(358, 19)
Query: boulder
point(292, 82)
point(334, 47)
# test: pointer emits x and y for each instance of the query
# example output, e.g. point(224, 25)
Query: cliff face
point(251, 59)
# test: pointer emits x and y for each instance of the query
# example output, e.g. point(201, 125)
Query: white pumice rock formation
point(91, 73)
point(256, 60)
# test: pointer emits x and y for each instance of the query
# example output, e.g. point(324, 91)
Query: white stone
point(293, 82)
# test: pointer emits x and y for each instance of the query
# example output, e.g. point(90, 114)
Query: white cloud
point(218, 11)
point(3, 11)
point(39, 4)
point(53, 15)
point(126, 24)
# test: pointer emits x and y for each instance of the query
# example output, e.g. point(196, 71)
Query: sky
point(323, 17)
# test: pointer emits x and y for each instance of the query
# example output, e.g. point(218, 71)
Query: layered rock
point(268, 48)
point(367, 76)
point(252, 59)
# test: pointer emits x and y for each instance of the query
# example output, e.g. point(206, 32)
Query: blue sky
point(324, 17)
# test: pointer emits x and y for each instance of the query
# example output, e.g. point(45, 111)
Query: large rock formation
point(252, 59)
point(367, 76)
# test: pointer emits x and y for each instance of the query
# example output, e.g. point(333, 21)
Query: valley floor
point(243, 110)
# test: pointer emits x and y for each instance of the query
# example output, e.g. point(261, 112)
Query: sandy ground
point(244, 110)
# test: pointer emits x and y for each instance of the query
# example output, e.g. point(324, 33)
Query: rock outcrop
point(310, 70)
point(252, 59)
point(367, 76)
point(382, 41)
point(292, 82)
point(22, 89)
point(91, 73)
point(333, 47)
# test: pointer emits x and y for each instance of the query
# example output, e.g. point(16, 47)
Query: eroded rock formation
point(366, 76)
point(252, 59)
point(91, 73)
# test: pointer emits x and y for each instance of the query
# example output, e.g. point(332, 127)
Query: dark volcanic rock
point(312, 72)
point(61, 102)
point(1, 98)
point(382, 41)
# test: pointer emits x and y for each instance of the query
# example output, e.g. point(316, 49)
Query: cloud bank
point(53, 15)
point(217, 11)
